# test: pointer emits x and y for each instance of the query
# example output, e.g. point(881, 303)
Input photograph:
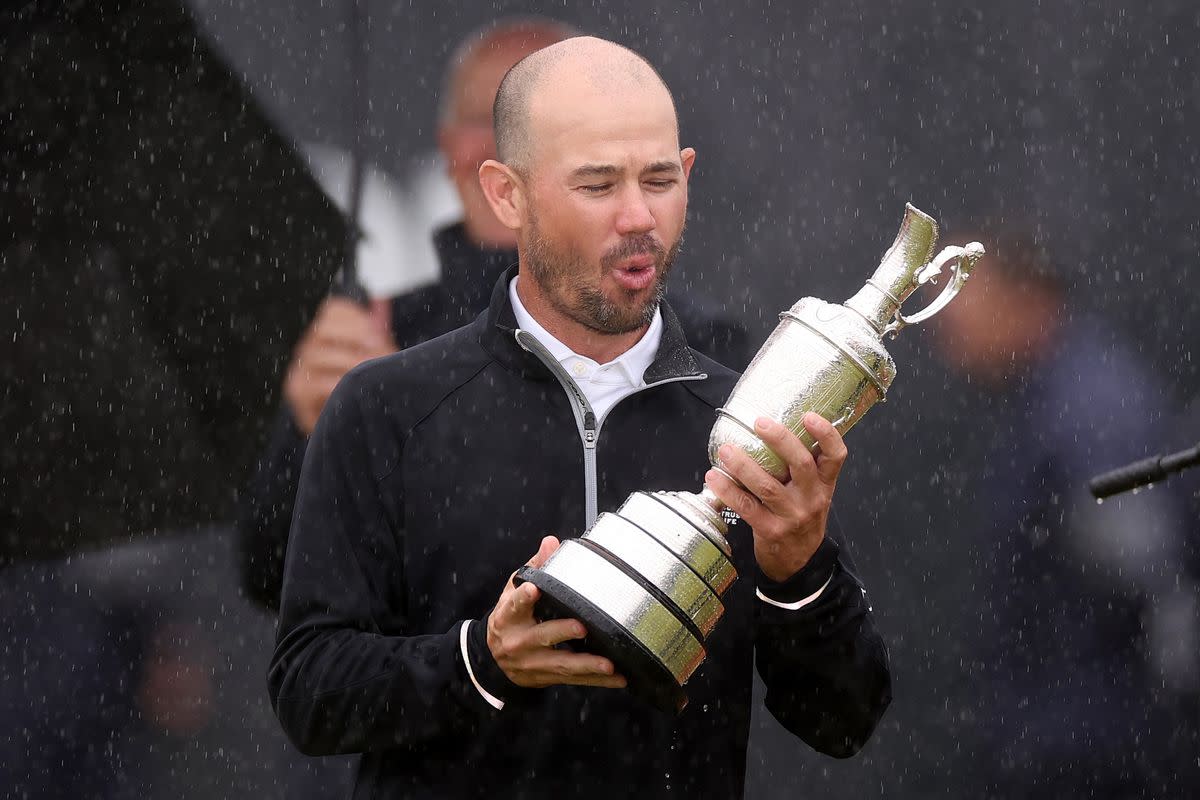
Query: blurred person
point(1079, 626)
point(113, 674)
point(472, 253)
point(434, 473)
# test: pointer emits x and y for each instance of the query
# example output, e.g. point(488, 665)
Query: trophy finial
point(896, 277)
point(965, 259)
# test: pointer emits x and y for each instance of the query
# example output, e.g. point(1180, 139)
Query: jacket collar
point(467, 268)
point(674, 358)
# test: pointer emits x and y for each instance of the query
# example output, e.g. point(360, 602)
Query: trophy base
point(647, 677)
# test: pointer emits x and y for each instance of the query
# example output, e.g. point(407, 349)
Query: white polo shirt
point(602, 384)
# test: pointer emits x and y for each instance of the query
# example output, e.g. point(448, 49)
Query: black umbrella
point(162, 249)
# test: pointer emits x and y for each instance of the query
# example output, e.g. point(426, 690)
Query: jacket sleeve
point(824, 665)
point(266, 514)
point(347, 674)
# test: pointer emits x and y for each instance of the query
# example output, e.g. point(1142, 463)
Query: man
point(435, 473)
point(472, 255)
point(1068, 690)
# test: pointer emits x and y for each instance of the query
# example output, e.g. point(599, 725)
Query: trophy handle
point(965, 258)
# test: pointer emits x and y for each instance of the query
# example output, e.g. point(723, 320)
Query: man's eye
point(661, 183)
point(596, 188)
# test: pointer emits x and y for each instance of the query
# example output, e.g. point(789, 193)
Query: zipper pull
point(589, 429)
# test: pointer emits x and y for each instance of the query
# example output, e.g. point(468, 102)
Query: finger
point(319, 388)
point(335, 309)
point(563, 666)
point(786, 445)
point(747, 506)
point(546, 549)
point(346, 321)
point(380, 312)
point(833, 447)
point(767, 490)
point(595, 681)
point(379, 350)
point(352, 340)
point(556, 631)
point(516, 604)
point(600, 681)
point(330, 361)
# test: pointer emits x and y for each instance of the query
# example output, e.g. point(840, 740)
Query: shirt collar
point(632, 364)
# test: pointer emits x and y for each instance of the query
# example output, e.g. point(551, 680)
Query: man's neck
point(582, 340)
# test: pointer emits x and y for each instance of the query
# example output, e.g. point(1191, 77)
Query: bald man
point(435, 473)
point(472, 253)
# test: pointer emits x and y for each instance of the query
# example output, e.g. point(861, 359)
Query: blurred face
point(466, 139)
point(607, 200)
point(995, 326)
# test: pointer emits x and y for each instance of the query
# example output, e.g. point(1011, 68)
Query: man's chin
point(631, 318)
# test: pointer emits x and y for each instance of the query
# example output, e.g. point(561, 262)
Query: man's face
point(562, 271)
point(606, 205)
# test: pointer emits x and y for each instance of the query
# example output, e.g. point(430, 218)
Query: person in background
point(1078, 607)
point(472, 253)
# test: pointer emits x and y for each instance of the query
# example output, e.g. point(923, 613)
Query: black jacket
point(468, 274)
point(431, 476)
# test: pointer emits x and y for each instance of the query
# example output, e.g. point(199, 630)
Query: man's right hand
point(525, 648)
point(343, 335)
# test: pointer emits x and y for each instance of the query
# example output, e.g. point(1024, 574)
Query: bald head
point(504, 41)
point(593, 182)
point(573, 71)
point(465, 123)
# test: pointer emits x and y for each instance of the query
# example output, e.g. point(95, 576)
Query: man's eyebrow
point(596, 171)
point(660, 167)
point(611, 170)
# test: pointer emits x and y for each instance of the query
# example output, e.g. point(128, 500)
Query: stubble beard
point(563, 277)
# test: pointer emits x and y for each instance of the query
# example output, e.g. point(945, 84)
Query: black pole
point(1141, 473)
point(346, 283)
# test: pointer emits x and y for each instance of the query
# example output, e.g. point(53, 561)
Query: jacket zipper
point(585, 417)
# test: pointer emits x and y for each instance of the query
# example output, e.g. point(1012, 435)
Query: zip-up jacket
point(468, 273)
point(431, 476)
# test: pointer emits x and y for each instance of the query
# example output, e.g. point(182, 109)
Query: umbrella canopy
point(162, 249)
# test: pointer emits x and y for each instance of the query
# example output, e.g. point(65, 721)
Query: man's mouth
point(636, 272)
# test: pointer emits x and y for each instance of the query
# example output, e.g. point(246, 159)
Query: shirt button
point(579, 368)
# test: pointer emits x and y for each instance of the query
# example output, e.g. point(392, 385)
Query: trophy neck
point(896, 277)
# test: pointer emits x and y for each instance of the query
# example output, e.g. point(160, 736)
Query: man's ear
point(687, 157)
point(504, 191)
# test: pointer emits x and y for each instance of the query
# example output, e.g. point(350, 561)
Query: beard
point(572, 287)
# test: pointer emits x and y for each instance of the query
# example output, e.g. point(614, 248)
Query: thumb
point(379, 310)
point(545, 550)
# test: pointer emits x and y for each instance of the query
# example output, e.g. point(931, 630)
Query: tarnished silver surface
point(822, 357)
point(649, 558)
point(627, 603)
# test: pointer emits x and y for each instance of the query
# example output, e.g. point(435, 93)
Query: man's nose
point(634, 215)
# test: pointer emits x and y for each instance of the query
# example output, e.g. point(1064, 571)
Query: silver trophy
point(647, 579)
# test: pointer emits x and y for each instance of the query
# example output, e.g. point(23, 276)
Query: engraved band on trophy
point(647, 579)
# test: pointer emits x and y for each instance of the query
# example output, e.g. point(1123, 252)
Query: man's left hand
point(788, 518)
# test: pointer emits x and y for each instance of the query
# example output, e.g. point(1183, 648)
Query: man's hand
point(524, 648)
point(343, 335)
point(789, 518)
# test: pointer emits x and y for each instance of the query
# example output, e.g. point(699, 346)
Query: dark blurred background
point(180, 287)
